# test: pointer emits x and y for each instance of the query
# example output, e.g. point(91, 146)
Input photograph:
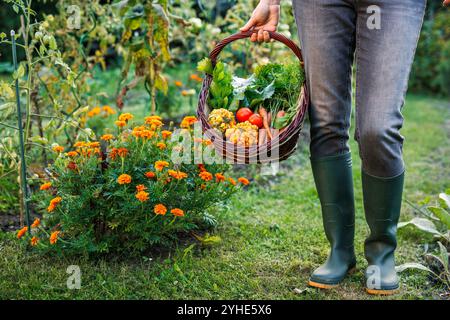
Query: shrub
point(123, 192)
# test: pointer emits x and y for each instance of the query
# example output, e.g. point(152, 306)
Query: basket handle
point(247, 34)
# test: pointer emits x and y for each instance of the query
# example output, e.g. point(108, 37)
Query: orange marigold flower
point(205, 175)
point(178, 83)
point(177, 212)
point(160, 165)
point(220, 177)
point(188, 121)
point(142, 196)
point(177, 174)
point(107, 137)
point(108, 110)
point(125, 117)
point(79, 144)
point(244, 181)
point(54, 237)
point(122, 152)
point(150, 174)
point(34, 241)
point(147, 134)
point(232, 181)
point(72, 166)
point(53, 203)
point(161, 145)
point(124, 179)
point(120, 123)
point(94, 144)
point(94, 111)
point(36, 223)
point(45, 186)
point(203, 186)
point(58, 149)
point(201, 167)
point(166, 134)
point(195, 77)
point(160, 209)
point(72, 154)
point(140, 187)
point(22, 232)
point(154, 121)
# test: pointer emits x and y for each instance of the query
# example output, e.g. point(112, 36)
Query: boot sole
point(381, 292)
point(327, 286)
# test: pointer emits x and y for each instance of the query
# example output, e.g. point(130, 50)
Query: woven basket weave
point(282, 145)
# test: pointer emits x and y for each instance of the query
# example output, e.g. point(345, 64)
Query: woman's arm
point(264, 18)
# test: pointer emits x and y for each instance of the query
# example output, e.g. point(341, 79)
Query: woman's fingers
point(266, 36)
point(260, 35)
point(254, 37)
point(248, 25)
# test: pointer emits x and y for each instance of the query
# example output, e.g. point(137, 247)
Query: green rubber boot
point(334, 183)
point(382, 202)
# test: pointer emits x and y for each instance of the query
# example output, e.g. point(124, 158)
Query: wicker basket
point(277, 149)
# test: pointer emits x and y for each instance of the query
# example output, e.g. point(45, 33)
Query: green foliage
point(436, 222)
point(431, 67)
point(221, 90)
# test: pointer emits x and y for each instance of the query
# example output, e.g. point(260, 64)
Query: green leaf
point(16, 8)
point(445, 200)
point(443, 255)
point(421, 224)
point(2, 35)
point(19, 73)
point(412, 265)
point(443, 215)
point(205, 66)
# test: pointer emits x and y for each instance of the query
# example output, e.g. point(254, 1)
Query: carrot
point(263, 113)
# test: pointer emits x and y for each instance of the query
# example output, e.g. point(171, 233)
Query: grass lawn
point(272, 239)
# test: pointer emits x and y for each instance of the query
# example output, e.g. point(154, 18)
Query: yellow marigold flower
point(72, 154)
point(94, 144)
point(36, 223)
point(58, 148)
point(54, 237)
point(160, 209)
point(142, 196)
point(205, 175)
point(220, 177)
point(177, 174)
point(125, 117)
point(150, 174)
point(232, 181)
point(108, 110)
point(150, 118)
point(94, 111)
point(124, 179)
point(120, 123)
point(22, 232)
point(140, 187)
point(107, 137)
point(34, 241)
point(177, 212)
point(178, 83)
point(45, 186)
point(166, 134)
point(161, 145)
point(160, 165)
point(244, 181)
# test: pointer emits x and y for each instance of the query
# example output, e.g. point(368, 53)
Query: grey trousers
point(381, 36)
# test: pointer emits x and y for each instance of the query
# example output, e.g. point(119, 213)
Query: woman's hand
point(446, 3)
point(264, 18)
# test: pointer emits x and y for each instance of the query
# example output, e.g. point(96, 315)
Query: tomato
point(243, 114)
point(257, 120)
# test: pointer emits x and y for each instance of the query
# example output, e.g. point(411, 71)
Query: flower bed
point(123, 191)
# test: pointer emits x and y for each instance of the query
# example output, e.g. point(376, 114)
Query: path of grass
point(272, 239)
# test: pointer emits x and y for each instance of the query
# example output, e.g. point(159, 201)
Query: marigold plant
point(124, 193)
